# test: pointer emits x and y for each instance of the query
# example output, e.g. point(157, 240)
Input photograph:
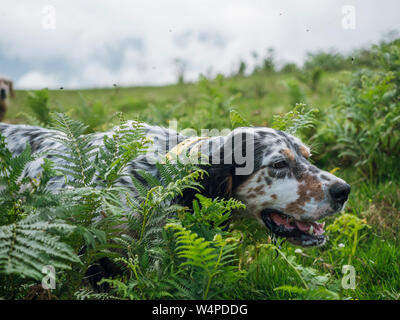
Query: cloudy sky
point(96, 43)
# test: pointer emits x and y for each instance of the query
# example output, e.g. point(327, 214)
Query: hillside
point(346, 109)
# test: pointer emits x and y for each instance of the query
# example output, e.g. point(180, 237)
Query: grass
point(260, 97)
point(373, 250)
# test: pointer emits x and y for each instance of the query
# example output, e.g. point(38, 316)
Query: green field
point(355, 133)
point(258, 98)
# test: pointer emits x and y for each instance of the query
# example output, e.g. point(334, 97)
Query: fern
point(152, 283)
point(192, 256)
point(19, 193)
point(12, 166)
point(119, 150)
point(12, 181)
point(213, 261)
point(171, 185)
point(79, 150)
point(148, 257)
point(292, 122)
point(296, 120)
point(86, 294)
point(213, 212)
point(28, 245)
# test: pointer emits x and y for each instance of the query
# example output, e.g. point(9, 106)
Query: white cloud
point(98, 42)
point(36, 80)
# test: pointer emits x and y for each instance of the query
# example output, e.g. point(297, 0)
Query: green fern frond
point(79, 150)
point(28, 245)
point(297, 119)
point(118, 151)
point(211, 259)
point(86, 294)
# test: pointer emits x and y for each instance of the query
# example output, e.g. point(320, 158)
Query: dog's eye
point(279, 164)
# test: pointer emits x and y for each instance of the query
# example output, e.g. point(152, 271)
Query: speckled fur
point(300, 190)
point(43, 144)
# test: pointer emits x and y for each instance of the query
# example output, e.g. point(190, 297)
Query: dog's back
point(43, 145)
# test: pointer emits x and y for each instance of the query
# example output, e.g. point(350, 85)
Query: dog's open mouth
point(301, 233)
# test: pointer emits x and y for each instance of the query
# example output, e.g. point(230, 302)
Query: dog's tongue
point(280, 220)
point(318, 228)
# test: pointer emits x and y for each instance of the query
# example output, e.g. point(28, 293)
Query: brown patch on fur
point(274, 196)
point(246, 182)
point(251, 195)
point(309, 188)
point(258, 189)
point(288, 153)
point(304, 152)
point(294, 207)
point(265, 204)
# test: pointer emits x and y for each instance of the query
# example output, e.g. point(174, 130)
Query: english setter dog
point(268, 170)
point(6, 89)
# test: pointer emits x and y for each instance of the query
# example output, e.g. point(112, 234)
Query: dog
point(267, 169)
point(6, 89)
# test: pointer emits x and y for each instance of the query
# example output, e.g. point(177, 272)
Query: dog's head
point(283, 190)
point(6, 88)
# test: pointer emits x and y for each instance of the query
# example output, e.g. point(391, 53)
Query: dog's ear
point(219, 182)
point(11, 88)
point(233, 158)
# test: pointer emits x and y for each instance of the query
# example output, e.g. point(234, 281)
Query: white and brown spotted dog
point(6, 89)
point(283, 190)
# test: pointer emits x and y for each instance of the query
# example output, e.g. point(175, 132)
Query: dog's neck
point(197, 150)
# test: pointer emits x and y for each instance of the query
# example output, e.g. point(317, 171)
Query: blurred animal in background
point(6, 89)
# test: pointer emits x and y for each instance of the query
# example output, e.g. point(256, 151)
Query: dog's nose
point(3, 93)
point(340, 191)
